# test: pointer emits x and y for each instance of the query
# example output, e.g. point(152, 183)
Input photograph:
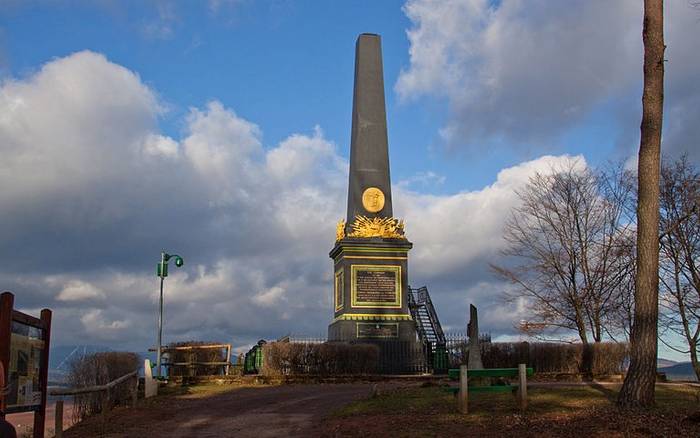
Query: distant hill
point(663, 363)
point(679, 371)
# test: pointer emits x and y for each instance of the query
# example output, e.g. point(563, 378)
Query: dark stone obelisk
point(370, 256)
point(369, 147)
point(474, 359)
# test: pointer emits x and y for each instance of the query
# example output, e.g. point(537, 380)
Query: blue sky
point(286, 65)
point(201, 127)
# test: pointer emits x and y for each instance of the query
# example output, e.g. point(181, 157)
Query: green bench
point(520, 373)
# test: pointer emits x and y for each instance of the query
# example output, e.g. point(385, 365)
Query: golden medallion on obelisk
point(373, 199)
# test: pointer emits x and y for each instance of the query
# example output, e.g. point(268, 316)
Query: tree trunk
point(694, 359)
point(638, 388)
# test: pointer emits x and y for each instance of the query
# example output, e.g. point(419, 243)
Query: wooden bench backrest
point(489, 372)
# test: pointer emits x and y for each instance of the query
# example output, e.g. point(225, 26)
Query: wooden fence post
point(463, 390)
point(105, 405)
point(59, 419)
point(40, 414)
point(135, 396)
point(6, 303)
point(522, 386)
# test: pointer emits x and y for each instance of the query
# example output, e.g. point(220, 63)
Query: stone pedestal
point(370, 291)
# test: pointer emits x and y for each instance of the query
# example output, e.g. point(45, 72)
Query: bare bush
point(100, 369)
point(680, 257)
point(327, 359)
point(568, 249)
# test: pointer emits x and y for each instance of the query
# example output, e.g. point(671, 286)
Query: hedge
point(597, 359)
point(326, 359)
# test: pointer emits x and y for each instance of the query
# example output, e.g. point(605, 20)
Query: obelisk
point(474, 359)
point(369, 147)
point(371, 251)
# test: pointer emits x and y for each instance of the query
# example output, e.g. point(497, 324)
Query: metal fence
point(395, 357)
point(403, 357)
point(406, 357)
point(457, 344)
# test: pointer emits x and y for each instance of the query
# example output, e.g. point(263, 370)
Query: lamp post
point(162, 272)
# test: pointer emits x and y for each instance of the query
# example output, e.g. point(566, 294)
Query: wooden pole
point(40, 415)
point(463, 390)
point(522, 386)
point(59, 419)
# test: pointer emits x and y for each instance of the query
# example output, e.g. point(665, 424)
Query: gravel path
point(289, 410)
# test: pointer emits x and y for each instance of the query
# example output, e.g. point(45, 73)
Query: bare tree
point(638, 387)
point(568, 242)
point(680, 255)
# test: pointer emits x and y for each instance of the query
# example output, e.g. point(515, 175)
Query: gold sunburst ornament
point(340, 230)
point(386, 227)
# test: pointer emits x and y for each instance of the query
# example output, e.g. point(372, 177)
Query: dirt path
point(290, 410)
point(24, 422)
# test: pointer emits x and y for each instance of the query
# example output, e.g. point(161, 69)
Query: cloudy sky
point(220, 131)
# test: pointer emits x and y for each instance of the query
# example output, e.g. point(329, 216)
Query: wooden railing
point(105, 402)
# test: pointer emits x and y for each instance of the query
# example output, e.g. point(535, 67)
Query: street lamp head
point(162, 270)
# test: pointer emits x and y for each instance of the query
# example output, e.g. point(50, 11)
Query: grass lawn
point(571, 411)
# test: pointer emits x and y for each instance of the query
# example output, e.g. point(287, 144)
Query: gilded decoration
point(386, 227)
point(373, 199)
point(340, 231)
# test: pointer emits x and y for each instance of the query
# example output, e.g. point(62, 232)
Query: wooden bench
point(463, 375)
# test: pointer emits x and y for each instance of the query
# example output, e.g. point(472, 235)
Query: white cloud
point(77, 290)
point(72, 122)
point(163, 25)
point(452, 232)
point(522, 73)
point(156, 144)
point(519, 71)
point(99, 327)
point(269, 297)
point(221, 145)
point(253, 223)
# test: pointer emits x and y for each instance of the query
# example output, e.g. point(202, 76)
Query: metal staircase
point(423, 313)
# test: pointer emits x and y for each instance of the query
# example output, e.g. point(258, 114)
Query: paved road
point(290, 410)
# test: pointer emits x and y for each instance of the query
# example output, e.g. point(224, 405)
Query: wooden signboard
point(24, 354)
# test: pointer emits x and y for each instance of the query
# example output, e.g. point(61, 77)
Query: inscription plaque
point(377, 330)
point(376, 286)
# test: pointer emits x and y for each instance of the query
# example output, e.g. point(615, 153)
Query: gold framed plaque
point(373, 199)
point(374, 330)
point(339, 289)
point(373, 286)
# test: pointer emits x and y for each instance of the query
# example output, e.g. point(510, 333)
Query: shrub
point(100, 369)
point(608, 358)
point(595, 359)
point(327, 359)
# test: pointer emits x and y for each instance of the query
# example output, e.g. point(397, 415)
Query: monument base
point(400, 351)
point(375, 331)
